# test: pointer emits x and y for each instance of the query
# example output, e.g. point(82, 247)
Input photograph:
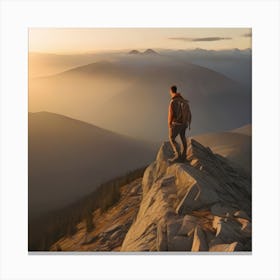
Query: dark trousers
point(174, 131)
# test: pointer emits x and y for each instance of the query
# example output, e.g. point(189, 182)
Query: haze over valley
point(128, 91)
point(68, 159)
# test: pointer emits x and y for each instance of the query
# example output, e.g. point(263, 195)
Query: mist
point(68, 159)
point(128, 93)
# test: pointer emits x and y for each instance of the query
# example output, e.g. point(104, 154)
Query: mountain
point(214, 100)
point(134, 52)
point(146, 52)
point(131, 94)
point(235, 145)
point(150, 52)
point(203, 205)
point(43, 64)
point(233, 63)
point(68, 158)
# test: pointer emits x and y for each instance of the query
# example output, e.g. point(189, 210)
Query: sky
point(83, 40)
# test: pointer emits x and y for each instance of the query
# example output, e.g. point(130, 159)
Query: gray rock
point(180, 243)
point(224, 247)
point(241, 214)
point(162, 242)
point(203, 204)
point(199, 240)
point(148, 177)
point(246, 226)
point(173, 228)
point(230, 231)
point(222, 210)
point(198, 196)
point(188, 225)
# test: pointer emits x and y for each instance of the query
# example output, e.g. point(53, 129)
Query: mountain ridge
point(144, 81)
point(203, 205)
point(146, 52)
point(85, 123)
point(68, 158)
point(200, 206)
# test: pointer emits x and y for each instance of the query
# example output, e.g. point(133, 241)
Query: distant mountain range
point(234, 63)
point(146, 52)
point(130, 95)
point(68, 158)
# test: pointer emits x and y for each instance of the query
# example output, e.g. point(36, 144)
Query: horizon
point(87, 40)
point(112, 51)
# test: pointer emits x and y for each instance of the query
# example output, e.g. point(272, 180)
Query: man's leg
point(173, 132)
point(184, 142)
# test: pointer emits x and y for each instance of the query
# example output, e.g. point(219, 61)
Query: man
point(179, 119)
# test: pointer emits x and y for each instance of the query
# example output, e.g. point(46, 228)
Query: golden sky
point(79, 40)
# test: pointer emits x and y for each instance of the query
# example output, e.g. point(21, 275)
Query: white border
point(18, 16)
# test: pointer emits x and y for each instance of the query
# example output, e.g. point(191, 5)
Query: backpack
point(183, 112)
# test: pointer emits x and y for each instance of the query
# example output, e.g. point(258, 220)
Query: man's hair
point(173, 89)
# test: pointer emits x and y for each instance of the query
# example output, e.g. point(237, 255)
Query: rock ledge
point(204, 205)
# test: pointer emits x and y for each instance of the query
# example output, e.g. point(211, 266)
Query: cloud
point(202, 39)
point(249, 34)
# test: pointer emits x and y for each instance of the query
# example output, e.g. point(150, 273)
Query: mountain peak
point(150, 51)
point(203, 205)
point(146, 52)
point(134, 52)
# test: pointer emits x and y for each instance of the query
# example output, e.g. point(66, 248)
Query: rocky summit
point(200, 205)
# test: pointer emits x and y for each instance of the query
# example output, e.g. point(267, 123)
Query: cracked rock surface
point(202, 205)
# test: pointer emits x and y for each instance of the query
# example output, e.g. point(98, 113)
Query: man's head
point(173, 90)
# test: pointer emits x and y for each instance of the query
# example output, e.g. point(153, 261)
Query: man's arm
point(170, 115)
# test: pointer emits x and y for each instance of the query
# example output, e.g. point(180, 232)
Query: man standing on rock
point(179, 119)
